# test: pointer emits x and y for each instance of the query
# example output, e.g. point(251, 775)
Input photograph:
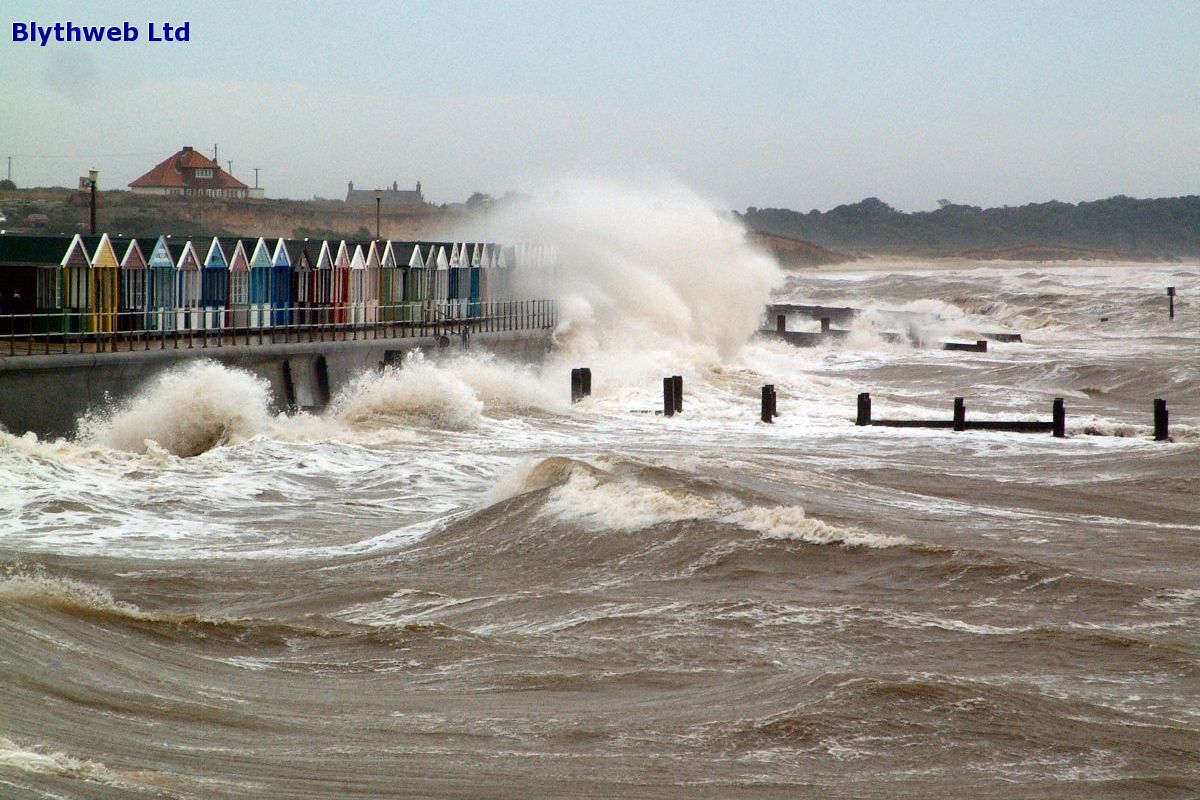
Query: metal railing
point(237, 326)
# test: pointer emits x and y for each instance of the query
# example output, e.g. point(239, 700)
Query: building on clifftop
point(192, 174)
point(394, 197)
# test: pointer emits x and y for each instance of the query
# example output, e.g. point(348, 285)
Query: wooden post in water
point(677, 392)
point(774, 402)
point(1171, 299)
point(781, 323)
point(576, 386)
point(767, 391)
point(585, 381)
point(1059, 413)
point(824, 324)
point(960, 414)
point(1161, 429)
point(864, 409)
point(668, 397)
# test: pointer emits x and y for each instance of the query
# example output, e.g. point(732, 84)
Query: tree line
point(1161, 227)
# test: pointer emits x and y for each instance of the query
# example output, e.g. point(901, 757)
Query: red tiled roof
point(178, 171)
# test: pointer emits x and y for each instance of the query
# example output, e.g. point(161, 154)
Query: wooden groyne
point(1057, 424)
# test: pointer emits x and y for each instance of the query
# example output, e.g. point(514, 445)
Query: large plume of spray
point(641, 270)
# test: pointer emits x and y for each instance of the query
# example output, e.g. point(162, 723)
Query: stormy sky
point(793, 104)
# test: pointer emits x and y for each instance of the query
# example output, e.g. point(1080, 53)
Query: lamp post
point(93, 174)
point(378, 203)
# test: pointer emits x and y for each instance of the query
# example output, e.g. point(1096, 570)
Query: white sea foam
point(417, 393)
point(597, 500)
point(34, 760)
point(47, 591)
point(186, 411)
point(641, 271)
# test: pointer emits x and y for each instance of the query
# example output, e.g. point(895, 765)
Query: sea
point(454, 582)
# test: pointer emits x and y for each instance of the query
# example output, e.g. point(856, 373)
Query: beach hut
point(322, 284)
point(281, 285)
point(340, 298)
point(302, 255)
point(414, 286)
point(356, 296)
point(440, 278)
point(161, 287)
point(34, 267)
point(188, 290)
point(134, 292)
point(452, 284)
point(371, 288)
point(391, 282)
point(104, 278)
point(258, 285)
point(214, 284)
point(475, 272)
point(239, 281)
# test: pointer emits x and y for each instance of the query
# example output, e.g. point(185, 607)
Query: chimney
point(351, 187)
point(187, 148)
point(395, 185)
point(418, 188)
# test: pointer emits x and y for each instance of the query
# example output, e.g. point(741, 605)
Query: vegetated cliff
point(130, 214)
point(1119, 227)
point(796, 253)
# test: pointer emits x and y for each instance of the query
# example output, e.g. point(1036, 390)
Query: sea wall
point(46, 394)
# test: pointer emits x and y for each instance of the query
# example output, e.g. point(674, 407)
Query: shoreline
point(948, 263)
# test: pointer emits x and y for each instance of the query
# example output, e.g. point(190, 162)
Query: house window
point(204, 172)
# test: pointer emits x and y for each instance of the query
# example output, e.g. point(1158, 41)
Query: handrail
point(191, 327)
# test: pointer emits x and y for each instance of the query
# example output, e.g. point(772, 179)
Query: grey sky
point(755, 103)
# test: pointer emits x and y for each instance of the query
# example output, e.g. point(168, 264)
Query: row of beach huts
point(103, 283)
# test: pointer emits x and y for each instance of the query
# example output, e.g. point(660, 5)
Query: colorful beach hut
point(238, 315)
point(258, 282)
point(371, 288)
point(340, 299)
point(214, 284)
point(391, 283)
point(281, 284)
point(162, 287)
point(134, 296)
point(105, 279)
point(322, 284)
point(356, 297)
point(414, 286)
point(188, 293)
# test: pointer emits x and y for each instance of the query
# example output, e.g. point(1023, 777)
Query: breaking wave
point(598, 500)
point(186, 411)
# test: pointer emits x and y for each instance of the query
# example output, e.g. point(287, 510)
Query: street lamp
point(93, 174)
point(378, 203)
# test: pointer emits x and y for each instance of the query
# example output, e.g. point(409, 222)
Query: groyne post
point(1171, 300)
point(864, 409)
point(1059, 413)
point(668, 397)
point(774, 402)
point(585, 381)
point(1161, 428)
point(576, 386)
point(677, 392)
point(960, 414)
point(766, 414)
point(824, 324)
point(781, 323)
